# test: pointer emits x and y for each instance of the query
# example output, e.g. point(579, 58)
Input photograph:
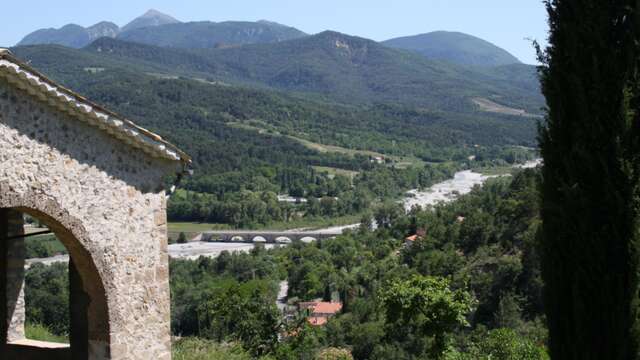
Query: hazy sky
point(506, 23)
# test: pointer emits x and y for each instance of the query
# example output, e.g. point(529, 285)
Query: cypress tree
point(590, 192)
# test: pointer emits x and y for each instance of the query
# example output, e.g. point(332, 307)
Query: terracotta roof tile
point(317, 320)
point(327, 308)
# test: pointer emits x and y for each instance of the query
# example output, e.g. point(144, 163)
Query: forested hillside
point(268, 142)
point(454, 47)
point(469, 289)
point(340, 68)
point(207, 34)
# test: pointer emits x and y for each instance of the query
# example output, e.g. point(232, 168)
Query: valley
point(430, 138)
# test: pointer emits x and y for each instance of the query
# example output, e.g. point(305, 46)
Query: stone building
point(97, 181)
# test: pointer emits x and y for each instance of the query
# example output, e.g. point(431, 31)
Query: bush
point(334, 354)
point(199, 349)
point(42, 333)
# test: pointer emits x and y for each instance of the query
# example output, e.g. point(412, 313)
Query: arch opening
point(87, 303)
point(283, 240)
point(308, 239)
point(259, 239)
point(237, 239)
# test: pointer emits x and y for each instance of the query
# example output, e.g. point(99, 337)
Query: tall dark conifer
point(590, 191)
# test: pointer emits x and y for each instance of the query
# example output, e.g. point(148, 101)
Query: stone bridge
point(265, 236)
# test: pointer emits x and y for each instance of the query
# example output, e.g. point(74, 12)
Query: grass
point(192, 229)
point(335, 171)
point(42, 333)
point(42, 246)
point(201, 349)
point(313, 223)
point(185, 227)
point(493, 170)
point(490, 106)
point(322, 148)
point(333, 149)
point(401, 162)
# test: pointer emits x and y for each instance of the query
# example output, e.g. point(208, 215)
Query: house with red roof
point(319, 312)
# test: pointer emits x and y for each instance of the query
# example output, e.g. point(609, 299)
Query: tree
point(429, 305)
point(590, 143)
point(252, 318)
point(182, 238)
point(387, 213)
point(505, 344)
point(334, 354)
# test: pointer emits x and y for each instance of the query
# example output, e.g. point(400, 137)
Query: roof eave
point(114, 124)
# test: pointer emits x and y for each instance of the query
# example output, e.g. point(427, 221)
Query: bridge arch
point(237, 238)
point(283, 240)
point(259, 239)
point(308, 239)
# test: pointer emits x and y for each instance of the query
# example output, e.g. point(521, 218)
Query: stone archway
point(98, 180)
point(89, 315)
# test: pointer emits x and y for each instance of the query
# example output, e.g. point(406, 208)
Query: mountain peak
point(149, 19)
point(154, 13)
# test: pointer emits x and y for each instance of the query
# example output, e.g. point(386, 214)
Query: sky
point(510, 24)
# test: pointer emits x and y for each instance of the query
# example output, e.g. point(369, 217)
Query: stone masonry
point(99, 188)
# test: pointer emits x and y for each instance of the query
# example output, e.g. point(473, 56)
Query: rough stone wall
point(106, 203)
point(14, 269)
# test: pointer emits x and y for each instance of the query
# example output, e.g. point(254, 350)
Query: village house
point(410, 240)
point(319, 312)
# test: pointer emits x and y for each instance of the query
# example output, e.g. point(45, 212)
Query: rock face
point(104, 200)
point(103, 29)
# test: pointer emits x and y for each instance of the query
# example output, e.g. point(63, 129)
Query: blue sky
point(506, 23)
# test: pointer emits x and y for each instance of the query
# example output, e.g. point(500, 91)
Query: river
point(449, 190)
point(444, 192)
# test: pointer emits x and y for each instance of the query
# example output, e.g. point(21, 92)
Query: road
point(281, 301)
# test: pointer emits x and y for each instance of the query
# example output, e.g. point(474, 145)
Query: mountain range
point(156, 28)
point(434, 97)
point(341, 68)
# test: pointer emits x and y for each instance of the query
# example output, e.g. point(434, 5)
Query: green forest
point(477, 263)
point(250, 144)
point(536, 264)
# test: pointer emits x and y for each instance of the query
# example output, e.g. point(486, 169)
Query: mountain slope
point(206, 34)
point(339, 67)
point(71, 35)
point(102, 29)
point(455, 47)
point(151, 18)
point(76, 36)
point(166, 103)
